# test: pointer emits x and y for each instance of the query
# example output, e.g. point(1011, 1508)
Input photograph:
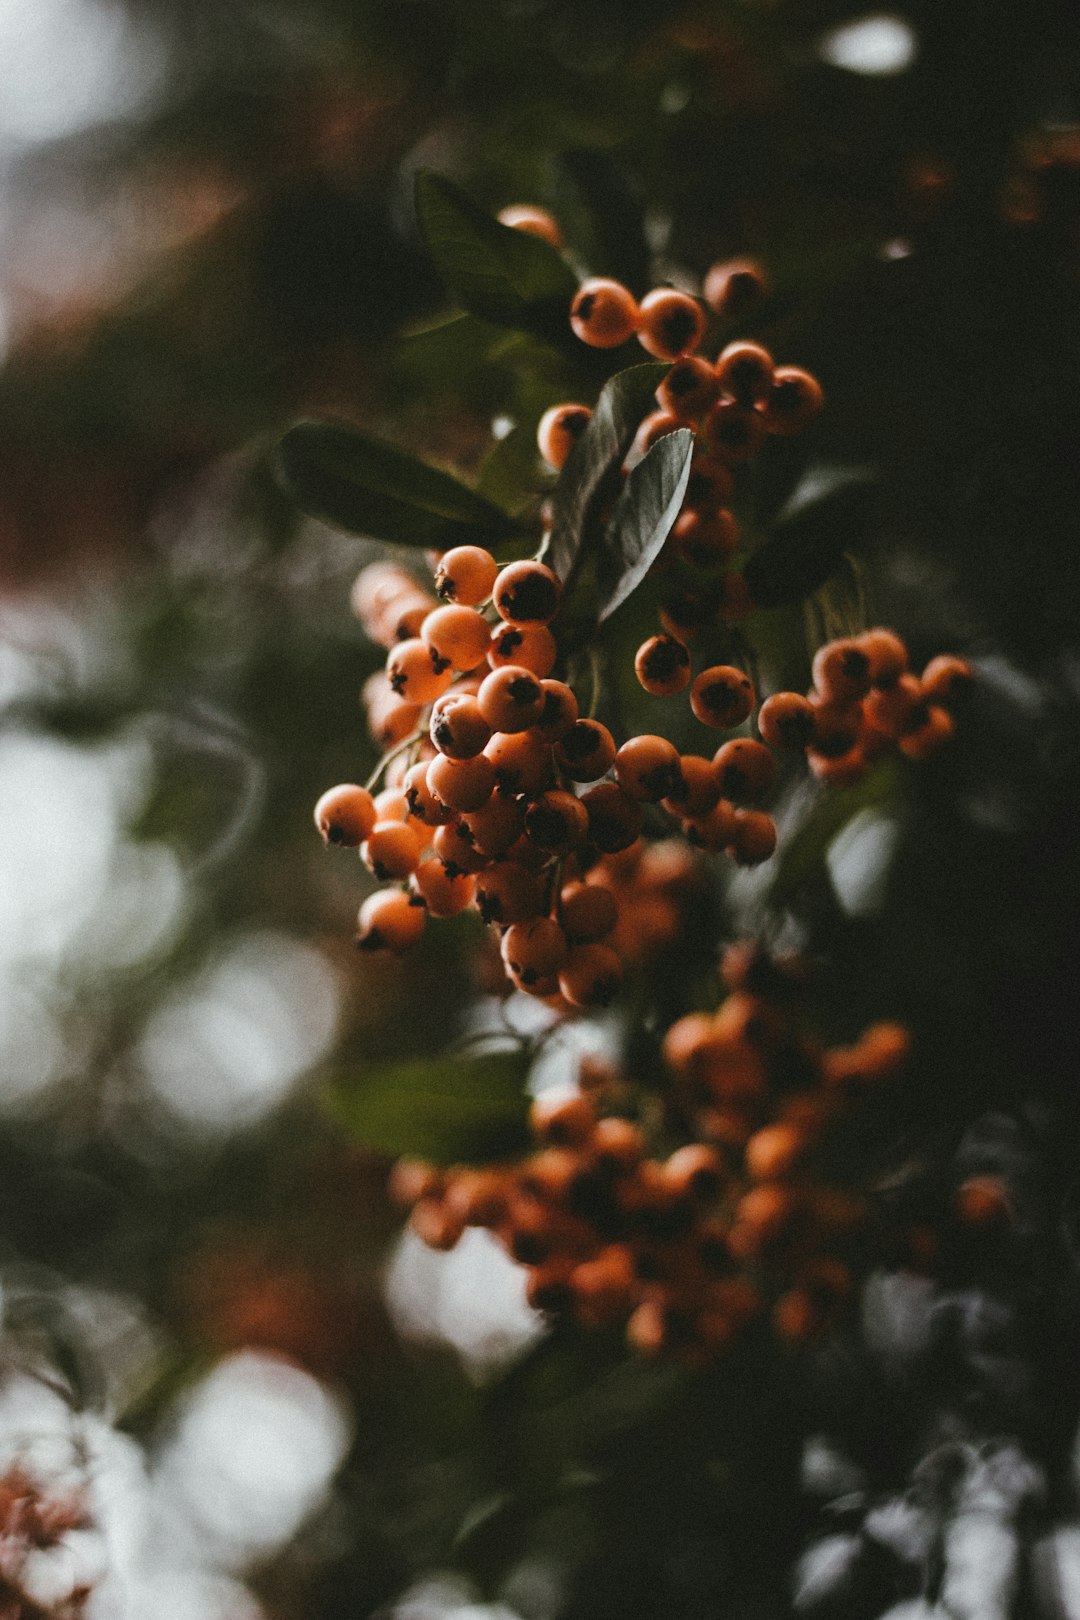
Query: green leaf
point(502, 275)
point(510, 473)
point(802, 855)
point(471, 1107)
point(615, 216)
point(647, 508)
point(808, 545)
point(591, 471)
point(365, 486)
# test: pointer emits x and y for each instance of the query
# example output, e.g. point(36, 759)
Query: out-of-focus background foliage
point(206, 231)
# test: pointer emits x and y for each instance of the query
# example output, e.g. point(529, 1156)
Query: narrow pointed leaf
point(365, 486)
point(648, 506)
point(807, 547)
point(592, 468)
point(473, 1107)
point(502, 275)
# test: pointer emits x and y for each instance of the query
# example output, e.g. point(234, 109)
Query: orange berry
point(705, 539)
point(615, 818)
point(715, 829)
point(688, 389)
point(443, 895)
point(891, 709)
point(733, 287)
point(498, 824)
point(522, 762)
point(534, 950)
point(837, 724)
point(530, 646)
point(526, 593)
point(586, 752)
point(786, 720)
point(533, 221)
point(460, 635)
point(722, 696)
point(604, 313)
point(589, 912)
point(795, 400)
point(712, 482)
point(697, 791)
point(796, 1316)
point(465, 575)
point(402, 620)
point(345, 815)
point(695, 1170)
point(937, 727)
point(842, 670)
point(662, 665)
point(392, 849)
point(736, 433)
point(983, 1201)
point(654, 427)
point(557, 822)
point(411, 1179)
point(457, 726)
point(422, 803)
point(754, 837)
point(453, 844)
point(558, 431)
point(745, 769)
point(683, 613)
point(744, 372)
point(670, 323)
point(416, 672)
point(391, 805)
point(591, 977)
point(388, 920)
point(507, 893)
point(563, 1121)
point(647, 768)
point(887, 655)
point(511, 699)
point(559, 713)
point(461, 784)
point(773, 1152)
point(944, 676)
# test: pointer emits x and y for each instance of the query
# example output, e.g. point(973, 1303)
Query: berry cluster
point(865, 702)
point(733, 405)
point(741, 1219)
point(500, 797)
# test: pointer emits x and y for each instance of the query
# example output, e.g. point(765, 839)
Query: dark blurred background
point(207, 231)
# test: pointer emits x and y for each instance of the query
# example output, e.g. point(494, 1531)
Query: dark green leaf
point(807, 546)
point(502, 275)
point(777, 475)
point(591, 470)
point(510, 471)
point(802, 855)
point(471, 1107)
point(647, 508)
point(364, 486)
point(614, 216)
